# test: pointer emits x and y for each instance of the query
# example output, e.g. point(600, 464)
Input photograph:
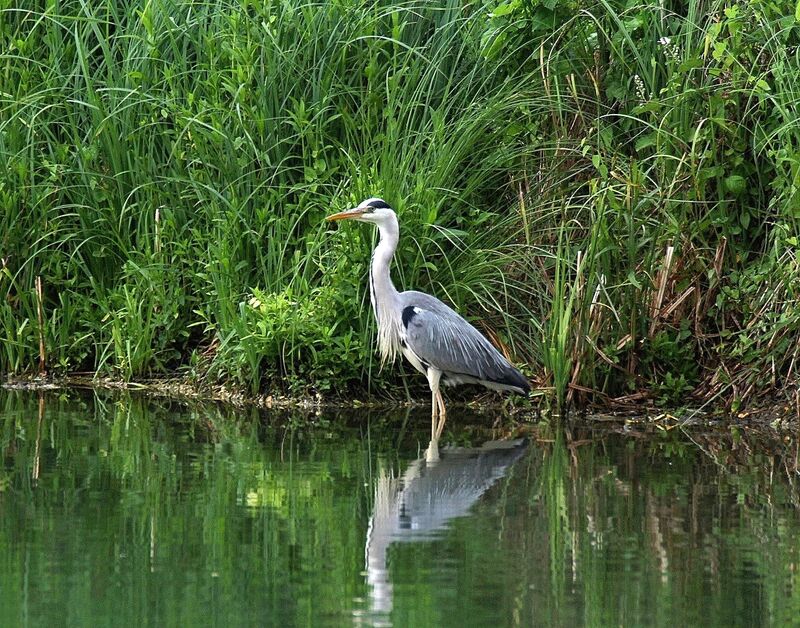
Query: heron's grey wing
point(441, 338)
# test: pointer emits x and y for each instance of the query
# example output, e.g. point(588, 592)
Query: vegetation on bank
point(609, 187)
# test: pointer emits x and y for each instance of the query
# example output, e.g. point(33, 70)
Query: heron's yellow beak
point(350, 213)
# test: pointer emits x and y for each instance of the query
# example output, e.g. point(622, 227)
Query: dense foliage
point(610, 188)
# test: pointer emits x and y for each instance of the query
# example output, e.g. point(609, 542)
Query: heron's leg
point(433, 381)
point(434, 415)
point(442, 414)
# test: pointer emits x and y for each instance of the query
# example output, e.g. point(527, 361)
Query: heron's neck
point(385, 298)
point(380, 276)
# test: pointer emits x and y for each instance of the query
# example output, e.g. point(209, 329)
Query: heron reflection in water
point(424, 501)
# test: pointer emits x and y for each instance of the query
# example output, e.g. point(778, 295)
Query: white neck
point(384, 296)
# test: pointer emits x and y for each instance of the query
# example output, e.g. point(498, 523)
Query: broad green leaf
point(645, 141)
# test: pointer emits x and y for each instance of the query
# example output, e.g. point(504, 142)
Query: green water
point(129, 511)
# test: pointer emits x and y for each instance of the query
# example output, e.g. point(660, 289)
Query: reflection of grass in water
point(178, 511)
point(638, 532)
point(240, 521)
point(555, 474)
point(652, 529)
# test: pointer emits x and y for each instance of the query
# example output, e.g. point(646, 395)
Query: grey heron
point(432, 336)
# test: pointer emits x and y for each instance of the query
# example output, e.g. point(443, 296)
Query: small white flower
point(673, 51)
point(638, 85)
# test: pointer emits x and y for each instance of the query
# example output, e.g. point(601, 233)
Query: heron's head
point(374, 210)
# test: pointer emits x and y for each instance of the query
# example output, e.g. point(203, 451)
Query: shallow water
point(129, 511)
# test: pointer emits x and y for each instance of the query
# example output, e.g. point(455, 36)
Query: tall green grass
point(615, 209)
point(168, 167)
point(677, 230)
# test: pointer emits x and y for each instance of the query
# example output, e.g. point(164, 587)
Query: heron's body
point(433, 337)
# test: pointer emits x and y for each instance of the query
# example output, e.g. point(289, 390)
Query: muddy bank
point(777, 414)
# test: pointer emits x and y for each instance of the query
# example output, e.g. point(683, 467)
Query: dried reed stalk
point(40, 315)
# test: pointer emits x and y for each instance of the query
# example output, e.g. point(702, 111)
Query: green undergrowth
point(609, 190)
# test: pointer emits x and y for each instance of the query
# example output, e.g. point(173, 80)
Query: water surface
point(130, 511)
